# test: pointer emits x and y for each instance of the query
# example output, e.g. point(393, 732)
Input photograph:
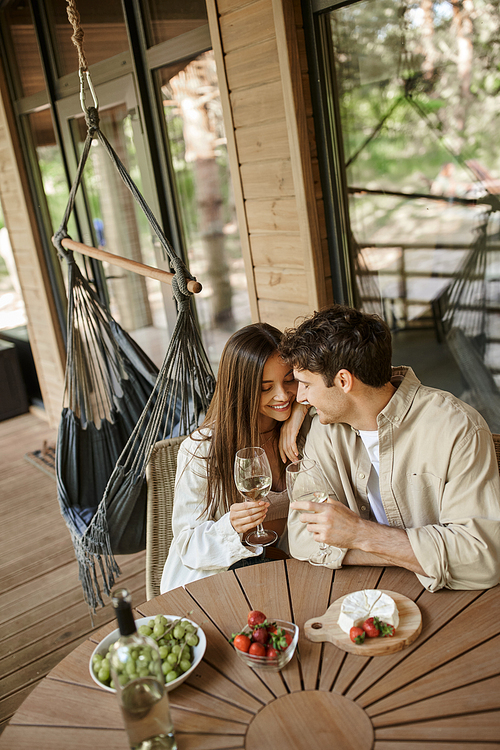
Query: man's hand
point(245, 516)
point(335, 524)
point(331, 522)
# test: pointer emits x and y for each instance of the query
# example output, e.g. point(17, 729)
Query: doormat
point(44, 459)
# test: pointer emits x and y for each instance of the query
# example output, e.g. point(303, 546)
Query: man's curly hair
point(341, 338)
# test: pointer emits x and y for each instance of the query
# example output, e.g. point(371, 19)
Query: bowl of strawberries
point(265, 643)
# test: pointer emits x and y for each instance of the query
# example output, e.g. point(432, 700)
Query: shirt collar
point(407, 385)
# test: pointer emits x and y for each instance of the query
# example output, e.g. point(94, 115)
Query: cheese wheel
point(360, 605)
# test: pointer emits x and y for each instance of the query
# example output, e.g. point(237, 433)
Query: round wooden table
point(443, 689)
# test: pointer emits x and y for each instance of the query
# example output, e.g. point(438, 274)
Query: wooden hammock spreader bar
point(131, 265)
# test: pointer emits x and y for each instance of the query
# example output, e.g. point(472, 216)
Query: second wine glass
point(253, 478)
point(306, 481)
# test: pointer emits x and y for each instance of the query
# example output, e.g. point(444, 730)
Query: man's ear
point(344, 380)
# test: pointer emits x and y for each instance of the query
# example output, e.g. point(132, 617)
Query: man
point(414, 468)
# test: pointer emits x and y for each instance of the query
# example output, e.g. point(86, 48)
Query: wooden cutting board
point(325, 628)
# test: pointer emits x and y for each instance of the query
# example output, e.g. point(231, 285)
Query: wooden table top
point(442, 689)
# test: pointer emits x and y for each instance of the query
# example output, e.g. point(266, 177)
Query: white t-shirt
point(370, 440)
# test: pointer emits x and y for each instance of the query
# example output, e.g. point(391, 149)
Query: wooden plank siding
point(42, 612)
point(262, 67)
point(43, 328)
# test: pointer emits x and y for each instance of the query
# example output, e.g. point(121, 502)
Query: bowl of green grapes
point(181, 643)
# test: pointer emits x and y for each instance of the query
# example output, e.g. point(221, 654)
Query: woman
point(253, 398)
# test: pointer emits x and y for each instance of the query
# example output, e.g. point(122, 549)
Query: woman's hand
point(245, 516)
point(290, 430)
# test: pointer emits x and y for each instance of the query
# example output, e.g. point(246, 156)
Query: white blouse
point(201, 546)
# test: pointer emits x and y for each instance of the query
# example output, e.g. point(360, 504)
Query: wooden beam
point(232, 151)
point(130, 265)
point(296, 123)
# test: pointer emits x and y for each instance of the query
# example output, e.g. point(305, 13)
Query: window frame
point(141, 62)
point(328, 131)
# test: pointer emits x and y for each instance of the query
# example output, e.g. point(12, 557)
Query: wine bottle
point(136, 671)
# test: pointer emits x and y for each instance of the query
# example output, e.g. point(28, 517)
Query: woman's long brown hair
point(233, 415)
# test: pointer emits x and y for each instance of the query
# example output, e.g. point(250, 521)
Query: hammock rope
point(116, 404)
point(78, 33)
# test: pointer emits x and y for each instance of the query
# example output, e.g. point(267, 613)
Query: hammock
point(117, 405)
point(469, 318)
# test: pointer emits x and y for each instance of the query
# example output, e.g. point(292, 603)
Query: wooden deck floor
point(42, 612)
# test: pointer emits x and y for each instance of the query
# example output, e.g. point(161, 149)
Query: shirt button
point(363, 507)
point(361, 475)
point(396, 419)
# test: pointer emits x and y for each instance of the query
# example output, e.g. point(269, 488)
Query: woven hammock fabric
point(117, 405)
point(469, 317)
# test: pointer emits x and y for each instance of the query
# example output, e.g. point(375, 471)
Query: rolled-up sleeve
point(462, 549)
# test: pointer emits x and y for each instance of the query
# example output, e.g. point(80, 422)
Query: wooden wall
point(260, 52)
point(44, 332)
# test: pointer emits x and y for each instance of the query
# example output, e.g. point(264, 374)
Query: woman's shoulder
point(198, 443)
point(192, 458)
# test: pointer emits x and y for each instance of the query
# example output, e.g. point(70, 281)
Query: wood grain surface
point(442, 689)
point(326, 628)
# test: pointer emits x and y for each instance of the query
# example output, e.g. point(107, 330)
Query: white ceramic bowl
point(272, 665)
point(198, 651)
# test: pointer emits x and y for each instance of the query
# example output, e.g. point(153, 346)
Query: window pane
point(419, 102)
point(50, 163)
point(18, 21)
point(198, 151)
point(170, 19)
point(105, 33)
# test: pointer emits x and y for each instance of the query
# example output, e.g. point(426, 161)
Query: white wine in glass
point(306, 481)
point(253, 478)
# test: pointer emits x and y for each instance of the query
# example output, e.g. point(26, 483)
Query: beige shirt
point(439, 481)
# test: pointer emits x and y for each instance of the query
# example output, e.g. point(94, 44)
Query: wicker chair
point(161, 481)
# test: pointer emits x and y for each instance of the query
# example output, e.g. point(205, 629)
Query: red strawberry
point(241, 642)
point(271, 652)
point(386, 629)
point(357, 635)
point(255, 618)
point(257, 649)
point(371, 628)
point(260, 634)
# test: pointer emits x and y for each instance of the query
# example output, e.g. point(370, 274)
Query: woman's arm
point(289, 431)
point(201, 541)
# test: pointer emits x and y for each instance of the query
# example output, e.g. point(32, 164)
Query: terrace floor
point(42, 612)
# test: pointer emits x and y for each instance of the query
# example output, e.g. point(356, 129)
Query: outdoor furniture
point(160, 475)
point(442, 688)
point(13, 399)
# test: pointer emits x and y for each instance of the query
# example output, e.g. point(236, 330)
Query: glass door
point(111, 219)
point(411, 97)
point(199, 161)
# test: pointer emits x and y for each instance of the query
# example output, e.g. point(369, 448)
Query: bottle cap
point(122, 603)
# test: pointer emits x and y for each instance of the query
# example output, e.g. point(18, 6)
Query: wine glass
point(253, 477)
point(306, 481)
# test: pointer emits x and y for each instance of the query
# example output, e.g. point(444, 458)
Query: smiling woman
point(252, 400)
point(278, 393)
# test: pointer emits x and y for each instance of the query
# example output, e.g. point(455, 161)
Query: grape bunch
point(175, 639)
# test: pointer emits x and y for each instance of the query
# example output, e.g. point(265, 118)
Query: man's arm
point(368, 543)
